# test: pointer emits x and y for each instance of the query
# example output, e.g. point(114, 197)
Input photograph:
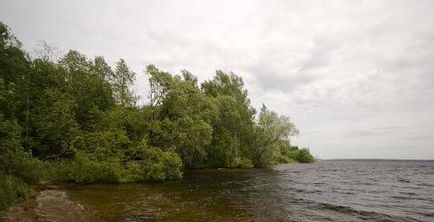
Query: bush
point(21, 165)
point(98, 157)
point(304, 156)
point(246, 163)
point(148, 164)
point(12, 190)
point(17, 168)
point(100, 146)
point(294, 154)
point(85, 170)
point(286, 159)
point(160, 165)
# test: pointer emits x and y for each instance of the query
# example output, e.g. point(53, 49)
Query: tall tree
point(274, 134)
point(181, 115)
point(122, 80)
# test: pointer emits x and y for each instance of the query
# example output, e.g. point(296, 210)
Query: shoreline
point(22, 207)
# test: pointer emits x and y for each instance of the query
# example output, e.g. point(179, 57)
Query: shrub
point(147, 164)
point(12, 190)
point(160, 165)
point(83, 169)
point(286, 159)
point(294, 154)
point(304, 156)
point(246, 163)
point(21, 165)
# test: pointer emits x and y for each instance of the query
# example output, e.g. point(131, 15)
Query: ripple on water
point(324, 191)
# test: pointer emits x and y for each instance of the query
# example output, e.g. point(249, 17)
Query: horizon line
point(376, 159)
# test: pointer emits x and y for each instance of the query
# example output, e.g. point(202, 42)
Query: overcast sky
point(356, 77)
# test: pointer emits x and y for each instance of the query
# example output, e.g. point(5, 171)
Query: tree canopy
point(76, 119)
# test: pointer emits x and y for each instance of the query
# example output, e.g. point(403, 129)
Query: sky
point(356, 77)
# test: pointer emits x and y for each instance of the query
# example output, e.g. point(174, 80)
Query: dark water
point(324, 191)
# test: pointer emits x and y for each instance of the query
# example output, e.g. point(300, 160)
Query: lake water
point(338, 190)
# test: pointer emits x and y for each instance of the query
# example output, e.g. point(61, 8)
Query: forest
point(76, 120)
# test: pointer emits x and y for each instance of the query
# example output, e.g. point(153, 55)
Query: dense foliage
point(76, 120)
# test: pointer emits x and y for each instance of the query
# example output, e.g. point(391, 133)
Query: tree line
point(75, 119)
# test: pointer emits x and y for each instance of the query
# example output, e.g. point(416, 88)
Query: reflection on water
point(324, 191)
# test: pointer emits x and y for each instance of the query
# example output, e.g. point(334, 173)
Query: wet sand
point(50, 205)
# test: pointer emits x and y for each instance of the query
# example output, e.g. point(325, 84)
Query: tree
point(160, 83)
point(304, 156)
point(233, 137)
point(79, 117)
point(17, 167)
point(122, 79)
point(181, 116)
point(102, 69)
point(274, 133)
point(14, 70)
point(84, 82)
point(54, 126)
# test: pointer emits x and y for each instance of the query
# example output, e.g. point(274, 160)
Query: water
point(324, 191)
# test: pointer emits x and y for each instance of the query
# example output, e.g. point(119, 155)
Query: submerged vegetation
point(76, 120)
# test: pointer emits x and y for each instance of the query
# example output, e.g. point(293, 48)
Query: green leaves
point(54, 125)
point(121, 80)
point(273, 137)
point(81, 117)
point(213, 126)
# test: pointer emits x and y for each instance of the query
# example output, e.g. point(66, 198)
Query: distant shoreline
point(374, 159)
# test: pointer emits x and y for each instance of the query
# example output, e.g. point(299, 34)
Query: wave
point(333, 212)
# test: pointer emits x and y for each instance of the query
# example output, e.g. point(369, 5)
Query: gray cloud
point(355, 76)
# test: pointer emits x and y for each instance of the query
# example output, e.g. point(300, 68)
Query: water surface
point(325, 191)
